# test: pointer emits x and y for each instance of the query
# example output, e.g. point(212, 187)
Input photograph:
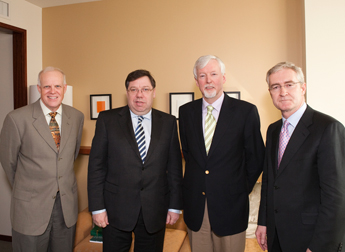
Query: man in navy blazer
point(131, 190)
point(303, 188)
point(217, 183)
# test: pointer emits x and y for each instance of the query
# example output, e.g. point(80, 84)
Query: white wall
point(29, 17)
point(325, 56)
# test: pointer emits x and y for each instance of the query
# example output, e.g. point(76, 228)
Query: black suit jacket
point(227, 175)
point(305, 199)
point(120, 183)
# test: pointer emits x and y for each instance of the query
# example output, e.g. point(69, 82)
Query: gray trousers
point(56, 238)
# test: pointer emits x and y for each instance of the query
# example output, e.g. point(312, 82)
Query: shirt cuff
point(98, 211)
point(175, 211)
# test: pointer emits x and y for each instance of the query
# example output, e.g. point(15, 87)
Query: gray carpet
point(5, 246)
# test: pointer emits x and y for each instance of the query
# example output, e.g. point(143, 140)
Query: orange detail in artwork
point(100, 106)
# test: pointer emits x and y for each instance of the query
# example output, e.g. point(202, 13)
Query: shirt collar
point(147, 116)
point(295, 117)
point(46, 110)
point(217, 105)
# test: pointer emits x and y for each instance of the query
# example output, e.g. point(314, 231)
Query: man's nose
point(283, 90)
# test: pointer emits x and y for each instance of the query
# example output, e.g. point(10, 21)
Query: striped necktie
point(140, 137)
point(54, 129)
point(210, 126)
point(284, 138)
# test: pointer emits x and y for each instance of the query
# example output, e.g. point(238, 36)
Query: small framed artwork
point(177, 100)
point(99, 103)
point(235, 94)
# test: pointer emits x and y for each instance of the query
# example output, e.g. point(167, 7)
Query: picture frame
point(178, 99)
point(234, 94)
point(99, 103)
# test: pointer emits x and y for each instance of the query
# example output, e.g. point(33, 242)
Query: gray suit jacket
point(36, 170)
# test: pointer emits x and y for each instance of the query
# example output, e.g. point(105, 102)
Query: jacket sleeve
point(97, 169)
point(254, 148)
point(329, 230)
point(10, 143)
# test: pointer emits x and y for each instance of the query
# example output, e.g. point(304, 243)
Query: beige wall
point(325, 56)
point(97, 44)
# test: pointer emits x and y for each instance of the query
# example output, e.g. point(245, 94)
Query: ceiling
point(51, 3)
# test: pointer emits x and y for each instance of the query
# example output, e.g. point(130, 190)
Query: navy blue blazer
point(225, 176)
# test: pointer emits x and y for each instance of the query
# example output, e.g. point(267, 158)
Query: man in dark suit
point(44, 204)
point(303, 190)
point(222, 165)
point(135, 170)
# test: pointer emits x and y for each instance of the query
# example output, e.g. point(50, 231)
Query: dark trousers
point(56, 238)
point(120, 241)
point(276, 244)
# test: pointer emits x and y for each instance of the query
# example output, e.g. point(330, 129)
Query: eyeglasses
point(275, 88)
point(136, 90)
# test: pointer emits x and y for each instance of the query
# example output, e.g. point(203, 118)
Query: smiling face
point(287, 101)
point(140, 103)
point(52, 89)
point(210, 81)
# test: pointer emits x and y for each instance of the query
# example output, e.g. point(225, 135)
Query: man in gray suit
point(38, 146)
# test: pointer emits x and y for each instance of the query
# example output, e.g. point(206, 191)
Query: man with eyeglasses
point(303, 185)
point(135, 170)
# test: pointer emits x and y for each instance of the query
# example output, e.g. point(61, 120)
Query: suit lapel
point(156, 131)
point(298, 137)
point(196, 118)
point(275, 145)
point(41, 125)
point(66, 127)
point(127, 128)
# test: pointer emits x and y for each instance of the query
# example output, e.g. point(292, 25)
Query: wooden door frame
point(20, 90)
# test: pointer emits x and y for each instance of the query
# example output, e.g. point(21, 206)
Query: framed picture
point(177, 100)
point(236, 94)
point(99, 103)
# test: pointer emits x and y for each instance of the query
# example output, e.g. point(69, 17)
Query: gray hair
point(286, 65)
point(203, 61)
point(50, 69)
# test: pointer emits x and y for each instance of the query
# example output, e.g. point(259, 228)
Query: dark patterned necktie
point(54, 129)
point(140, 137)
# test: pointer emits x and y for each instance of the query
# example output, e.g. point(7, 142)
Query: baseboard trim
point(6, 238)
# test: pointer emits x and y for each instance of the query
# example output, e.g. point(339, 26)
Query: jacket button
point(203, 193)
point(276, 211)
point(276, 187)
point(207, 171)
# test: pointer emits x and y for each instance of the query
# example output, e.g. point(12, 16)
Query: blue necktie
point(140, 137)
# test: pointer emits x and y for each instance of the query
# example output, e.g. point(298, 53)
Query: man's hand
point(260, 233)
point(172, 218)
point(308, 250)
point(100, 219)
